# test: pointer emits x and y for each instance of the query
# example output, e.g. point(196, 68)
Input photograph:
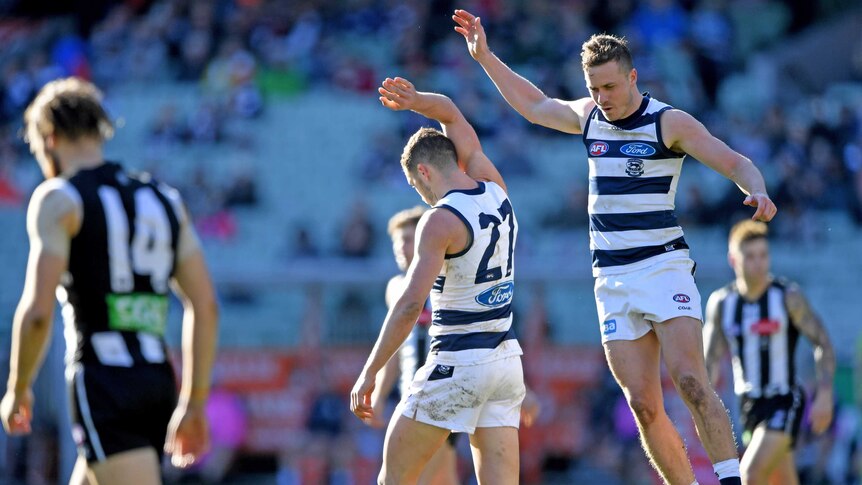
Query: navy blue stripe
point(664, 149)
point(469, 341)
point(631, 119)
point(479, 190)
point(633, 221)
point(466, 223)
point(458, 317)
point(633, 149)
point(439, 283)
point(630, 185)
point(587, 128)
point(603, 258)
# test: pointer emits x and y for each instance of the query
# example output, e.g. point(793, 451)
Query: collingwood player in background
point(109, 244)
point(759, 318)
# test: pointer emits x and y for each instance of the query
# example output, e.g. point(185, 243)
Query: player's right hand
point(16, 411)
point(398, 94)
point(360, 397)
point(188, 434)
point(471, 28)
point(766, 209)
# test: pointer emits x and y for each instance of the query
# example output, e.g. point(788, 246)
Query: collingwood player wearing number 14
point(109, 243)
point(472, 381)
point(759, 318)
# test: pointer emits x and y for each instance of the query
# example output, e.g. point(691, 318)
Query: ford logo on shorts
point(681, 298)
point(496, 295)
point(637, 149)
point(598, 148)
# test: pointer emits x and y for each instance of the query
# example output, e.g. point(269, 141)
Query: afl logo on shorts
point(598, 148)
point(681, 298)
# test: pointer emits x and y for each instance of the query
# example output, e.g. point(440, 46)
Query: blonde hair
point(603, 48)
point(70, 108)
point(406, 217)
point(744, 231)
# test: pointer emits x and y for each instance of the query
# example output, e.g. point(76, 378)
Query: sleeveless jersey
point(114, 295)
point(633, 180)
point(472, 297)
point(762, 340)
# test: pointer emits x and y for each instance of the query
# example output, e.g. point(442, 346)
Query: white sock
point(695, 483)
point(726, 468)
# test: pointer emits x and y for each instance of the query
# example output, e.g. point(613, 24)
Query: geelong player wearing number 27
point(110, 243)
point(472, 381)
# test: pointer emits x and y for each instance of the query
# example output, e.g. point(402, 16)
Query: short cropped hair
point(70, 108)
point(603, 48)
point(406, 217)
point(745, 231)
point(431, 147)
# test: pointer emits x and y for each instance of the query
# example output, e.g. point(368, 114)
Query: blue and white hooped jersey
point(471, 300)
point(633, 180)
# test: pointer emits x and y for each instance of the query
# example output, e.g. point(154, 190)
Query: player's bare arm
point(812, 328)
point(52, 217)
point(188, 435)
point(715, 342)
point(439, 232)
point(521, 94)
point(399, 94)
point(388, 375)
point(684, 134)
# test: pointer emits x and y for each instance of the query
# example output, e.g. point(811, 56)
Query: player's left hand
point(821, 411)
point(360, 397)
point(765, 207)
point(530, 408)
point(188, 435)
point(398, 94)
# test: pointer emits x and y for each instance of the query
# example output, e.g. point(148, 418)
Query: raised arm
point(53, 216)
point(521, 94)
point(715, 342)
point(812, 328)
point(399, 94)
point(188, 437)
point(683, 133)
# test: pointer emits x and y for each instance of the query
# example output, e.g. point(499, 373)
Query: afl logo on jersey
point(496, 295)
point(635, 167)
point(637, 149)
point(598, 148)
point(681, 298)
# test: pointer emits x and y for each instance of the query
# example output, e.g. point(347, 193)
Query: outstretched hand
point(471, 28)
point(765, 207)
point(398, 94)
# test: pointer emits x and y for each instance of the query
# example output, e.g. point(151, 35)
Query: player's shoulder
point(723, 292)
point(57, 194)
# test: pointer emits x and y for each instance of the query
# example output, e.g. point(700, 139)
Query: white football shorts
point(630, 303)
point(463, 398)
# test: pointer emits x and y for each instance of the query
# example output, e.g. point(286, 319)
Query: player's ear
point(633, 76)
point(731, 260)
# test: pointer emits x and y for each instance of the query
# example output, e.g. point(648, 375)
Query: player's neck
point(79, 155)
point(752, 288)
point(637, 99)
point(457, 181)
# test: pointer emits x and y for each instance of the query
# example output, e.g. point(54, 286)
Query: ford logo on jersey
point(496, 295)
point(637, 149)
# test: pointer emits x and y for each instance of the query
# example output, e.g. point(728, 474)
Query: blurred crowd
point(695, 54)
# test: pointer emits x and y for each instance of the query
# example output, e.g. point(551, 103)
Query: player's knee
point(695, 392)
point(645, 410)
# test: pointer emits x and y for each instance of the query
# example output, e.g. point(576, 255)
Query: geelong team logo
point(637, 149)
point(496, 295)
point(681, 298)
point(598, 148)
point(635, 167)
